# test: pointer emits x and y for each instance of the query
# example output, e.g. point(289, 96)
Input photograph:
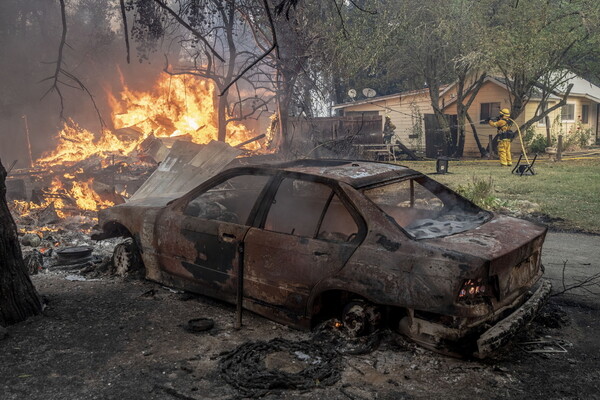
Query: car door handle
point(228, 237)
point(320, 253)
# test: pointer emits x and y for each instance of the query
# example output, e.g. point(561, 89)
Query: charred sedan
point(364, 241)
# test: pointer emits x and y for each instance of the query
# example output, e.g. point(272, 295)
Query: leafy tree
point(538, 43)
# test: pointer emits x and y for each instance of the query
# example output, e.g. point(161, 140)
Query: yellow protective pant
point(504, 152)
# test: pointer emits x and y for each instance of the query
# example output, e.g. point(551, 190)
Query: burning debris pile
point(60, 194)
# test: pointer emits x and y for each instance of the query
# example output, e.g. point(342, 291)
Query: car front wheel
point(126, 258)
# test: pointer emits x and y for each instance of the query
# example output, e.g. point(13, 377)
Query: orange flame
point(175, 106)
point(76, 144)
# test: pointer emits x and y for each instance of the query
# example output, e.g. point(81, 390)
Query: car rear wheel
point(360, 317)
point(126, 258)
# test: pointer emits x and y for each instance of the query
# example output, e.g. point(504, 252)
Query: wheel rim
point(355, 319)
point(121, 259)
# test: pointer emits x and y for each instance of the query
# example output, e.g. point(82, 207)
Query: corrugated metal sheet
point(186, 166)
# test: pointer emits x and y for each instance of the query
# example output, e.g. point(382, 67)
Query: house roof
point(581, 88)
point(372, 100)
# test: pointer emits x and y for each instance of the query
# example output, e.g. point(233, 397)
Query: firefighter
point(505, 136)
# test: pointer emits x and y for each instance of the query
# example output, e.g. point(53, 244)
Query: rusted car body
point(310, 237)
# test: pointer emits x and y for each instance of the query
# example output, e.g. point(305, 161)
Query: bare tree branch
point(584, 284)
point(266, 53)
point(363, 9)
point(61, 71)
point(84, 88)
point(190, 28)
point(339, 11)
point(262, 104)
point(59, 60)
point(548, 111)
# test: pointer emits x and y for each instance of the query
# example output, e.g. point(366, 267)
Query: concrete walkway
point(579, 256)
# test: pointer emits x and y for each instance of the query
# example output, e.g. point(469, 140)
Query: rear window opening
point(426, 209)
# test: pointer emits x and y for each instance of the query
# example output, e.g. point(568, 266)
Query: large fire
point(177, 106)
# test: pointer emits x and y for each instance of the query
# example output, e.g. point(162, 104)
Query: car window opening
point(310, 209)
point(229, 201)
point(426, 209)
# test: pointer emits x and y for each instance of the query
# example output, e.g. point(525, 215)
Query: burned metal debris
point(258, 368)
point(196, 325)
point(74, 255)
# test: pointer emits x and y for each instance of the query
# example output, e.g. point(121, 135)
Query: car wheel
point(126, 258)
point(360, 318)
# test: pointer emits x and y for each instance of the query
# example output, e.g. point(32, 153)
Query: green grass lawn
point(568, 190)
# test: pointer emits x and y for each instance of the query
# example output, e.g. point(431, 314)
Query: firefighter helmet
point(505, 112)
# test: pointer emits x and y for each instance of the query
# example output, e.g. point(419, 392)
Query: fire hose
point(520, 140)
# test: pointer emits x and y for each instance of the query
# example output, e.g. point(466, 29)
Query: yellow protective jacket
point(503, 126)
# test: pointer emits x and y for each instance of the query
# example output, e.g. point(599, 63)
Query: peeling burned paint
point(454, 256)
point(387, 244)
point(213, 261)
point(464, 267)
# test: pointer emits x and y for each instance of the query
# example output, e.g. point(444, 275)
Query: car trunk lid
point(511, 246)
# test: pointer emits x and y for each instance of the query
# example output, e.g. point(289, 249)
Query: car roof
point(355, 173)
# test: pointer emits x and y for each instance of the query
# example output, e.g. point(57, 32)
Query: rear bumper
point(472, 338)
point(504, 330)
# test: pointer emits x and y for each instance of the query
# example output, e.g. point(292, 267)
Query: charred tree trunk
point(433, 84)
point(461, 136)
point(465, 95)
point(482, 150)
point(222, 118)
point(284, 100)
point(18, 297)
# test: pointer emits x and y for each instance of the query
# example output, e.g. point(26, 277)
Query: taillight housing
point(473, 290)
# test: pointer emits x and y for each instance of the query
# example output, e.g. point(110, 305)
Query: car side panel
point(203, 252)
point(281, 269)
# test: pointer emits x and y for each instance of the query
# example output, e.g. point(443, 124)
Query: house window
point(489, 110)
point(585, 113)
point(567, 113)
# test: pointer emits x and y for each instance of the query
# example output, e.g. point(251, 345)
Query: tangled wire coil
point(245, 369)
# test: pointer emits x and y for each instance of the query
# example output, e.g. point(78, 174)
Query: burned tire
point(360, 318)
point(126, 259)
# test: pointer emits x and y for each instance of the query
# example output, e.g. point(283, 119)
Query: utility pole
point(28, 141)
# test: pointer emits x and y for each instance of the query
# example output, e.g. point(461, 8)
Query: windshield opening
point(425, 208)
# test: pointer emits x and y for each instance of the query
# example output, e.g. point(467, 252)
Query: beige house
point(407, 112)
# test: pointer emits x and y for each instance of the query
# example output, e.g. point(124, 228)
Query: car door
point(200, 240)
point(306, 234)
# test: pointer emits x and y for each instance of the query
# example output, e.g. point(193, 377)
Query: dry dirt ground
point(115, 338)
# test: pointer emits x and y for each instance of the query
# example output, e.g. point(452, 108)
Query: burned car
point(366, 242)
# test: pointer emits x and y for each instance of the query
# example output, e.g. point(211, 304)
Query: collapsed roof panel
point(186, 166)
